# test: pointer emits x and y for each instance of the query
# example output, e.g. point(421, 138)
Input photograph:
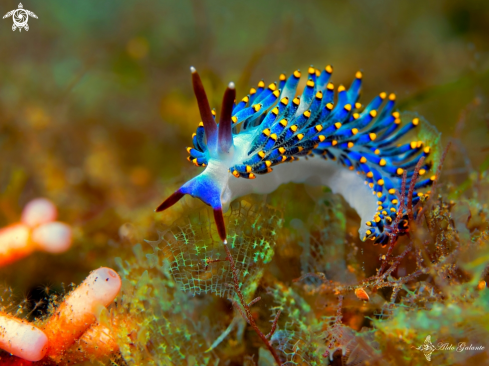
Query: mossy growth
point(175, 308)
point(157, 319)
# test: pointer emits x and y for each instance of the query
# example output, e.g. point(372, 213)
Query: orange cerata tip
point(39, 211)
point(22, 339)
point(77, 312)
point(362, 294)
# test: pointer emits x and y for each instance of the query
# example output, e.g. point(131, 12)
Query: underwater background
point(96, 112)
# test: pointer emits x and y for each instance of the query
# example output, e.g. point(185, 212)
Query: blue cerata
point(325, 138)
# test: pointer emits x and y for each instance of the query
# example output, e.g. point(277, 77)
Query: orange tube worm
point(77, 313)
point(95, 344)
point(52, 237)
point(22, 339)
point(98, 342)
point(14, 243)
point(39, 211)
point(36, 231)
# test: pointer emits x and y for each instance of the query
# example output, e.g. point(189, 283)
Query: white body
point(313, 171)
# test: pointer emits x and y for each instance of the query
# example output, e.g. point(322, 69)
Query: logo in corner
point(20, 17)
point(427, 348)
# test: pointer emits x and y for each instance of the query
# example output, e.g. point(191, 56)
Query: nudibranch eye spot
point(345, 144)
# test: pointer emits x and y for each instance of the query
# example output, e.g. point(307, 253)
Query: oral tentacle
point(210, 125)
point(225, 128)
point(170, 201)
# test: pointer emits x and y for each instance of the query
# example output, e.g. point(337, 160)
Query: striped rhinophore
point(329, 138)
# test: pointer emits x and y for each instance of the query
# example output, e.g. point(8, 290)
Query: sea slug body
point(328, 137)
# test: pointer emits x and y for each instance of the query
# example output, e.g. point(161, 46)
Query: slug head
point(210, 185)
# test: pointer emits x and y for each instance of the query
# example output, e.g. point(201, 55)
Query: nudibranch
point(325, 137)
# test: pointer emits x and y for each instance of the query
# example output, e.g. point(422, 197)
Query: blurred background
point(97, 108)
